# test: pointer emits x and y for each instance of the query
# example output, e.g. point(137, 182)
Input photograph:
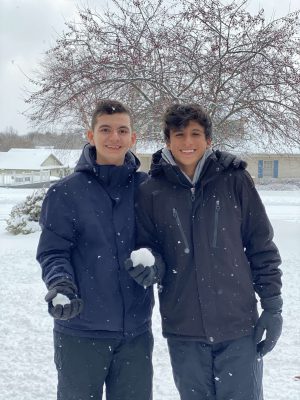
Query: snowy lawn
point(26, 359)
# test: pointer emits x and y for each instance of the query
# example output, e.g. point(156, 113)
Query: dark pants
point(84, 365)
point(226, 371)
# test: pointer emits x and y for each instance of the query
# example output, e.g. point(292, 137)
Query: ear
point(208, 141)
point(90, 137)
point(133, 139)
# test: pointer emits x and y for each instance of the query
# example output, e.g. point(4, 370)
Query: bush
point(23, 218)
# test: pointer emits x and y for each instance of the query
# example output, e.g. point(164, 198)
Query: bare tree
point(244, 70)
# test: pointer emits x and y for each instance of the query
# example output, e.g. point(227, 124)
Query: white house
point(35, 167)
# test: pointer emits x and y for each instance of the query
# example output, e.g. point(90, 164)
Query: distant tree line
point(66, 140)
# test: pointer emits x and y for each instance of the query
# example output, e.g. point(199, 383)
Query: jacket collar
point(208, 168)
point(109, 175)
point(168, 157)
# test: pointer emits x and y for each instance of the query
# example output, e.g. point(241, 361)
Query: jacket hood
point(161, 164)
point(106, 173)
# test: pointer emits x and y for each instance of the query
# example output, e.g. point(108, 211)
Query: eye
point(123, 131)
point(104, 130)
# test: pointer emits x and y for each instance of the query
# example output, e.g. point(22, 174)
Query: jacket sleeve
point(145, 228)
point(58, 236)
point(257, 234)
point(146, 235)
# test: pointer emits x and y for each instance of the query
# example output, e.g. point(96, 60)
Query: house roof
point(33, 159)
point(260, 144)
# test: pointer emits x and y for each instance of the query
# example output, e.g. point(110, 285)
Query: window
point(268, 168)
point(18, 180)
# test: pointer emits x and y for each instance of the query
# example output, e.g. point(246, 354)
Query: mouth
point(191, 151)
point(113, 147)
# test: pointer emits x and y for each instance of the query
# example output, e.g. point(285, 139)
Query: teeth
point(187, 151)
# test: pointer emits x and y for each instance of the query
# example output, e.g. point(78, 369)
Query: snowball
point(142, 256)
point(60, 299)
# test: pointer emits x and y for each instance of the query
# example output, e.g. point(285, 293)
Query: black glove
point(66, 311)
point(271, 322)
point(227, 159)
point(147, 276)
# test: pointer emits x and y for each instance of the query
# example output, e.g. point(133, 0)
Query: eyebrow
point(109, 126)
point(182, 129)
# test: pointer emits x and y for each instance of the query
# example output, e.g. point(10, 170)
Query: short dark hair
point(109, 107)
point(179, 115)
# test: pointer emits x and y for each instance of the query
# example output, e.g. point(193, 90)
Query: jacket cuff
point(272, 304)
point(63, 281)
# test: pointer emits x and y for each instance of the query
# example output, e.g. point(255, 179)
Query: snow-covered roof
point(30, 159)
point(258, 144)
point(69, 158)
point(33, 159)
point(251, 146)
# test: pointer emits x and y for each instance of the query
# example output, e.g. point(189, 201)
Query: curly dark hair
point(179, 115)
point(109, 107)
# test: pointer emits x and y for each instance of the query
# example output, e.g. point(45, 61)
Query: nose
point(114, 134)
point(188, 139)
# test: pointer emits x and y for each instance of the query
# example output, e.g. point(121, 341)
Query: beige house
point(280, 166)
point(271, 161)
point(262, 163)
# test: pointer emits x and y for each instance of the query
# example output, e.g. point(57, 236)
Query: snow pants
point(229, 370)
point(84, 365)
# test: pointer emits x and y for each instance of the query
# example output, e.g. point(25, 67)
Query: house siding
point(284, 166)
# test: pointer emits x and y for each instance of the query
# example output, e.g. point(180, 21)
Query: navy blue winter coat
point(87, 222)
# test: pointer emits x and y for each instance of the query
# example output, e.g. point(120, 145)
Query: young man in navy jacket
point(102, 317)
point(208, 223)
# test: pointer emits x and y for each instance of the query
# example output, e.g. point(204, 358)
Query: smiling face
point(112, 136)
point(188, 145)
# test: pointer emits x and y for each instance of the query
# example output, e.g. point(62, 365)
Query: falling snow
point(26, 358)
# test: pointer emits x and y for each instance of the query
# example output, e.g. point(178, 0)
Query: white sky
point(29, 27)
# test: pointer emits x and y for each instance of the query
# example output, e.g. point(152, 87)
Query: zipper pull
point(193, 189)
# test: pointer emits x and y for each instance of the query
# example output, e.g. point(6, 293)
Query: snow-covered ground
point(26, 357)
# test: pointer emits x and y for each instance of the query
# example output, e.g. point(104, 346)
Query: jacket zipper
point(176, 216)
point(193, 189)
point(216, 223)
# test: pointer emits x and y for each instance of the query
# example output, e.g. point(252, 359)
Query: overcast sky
point(29, 27)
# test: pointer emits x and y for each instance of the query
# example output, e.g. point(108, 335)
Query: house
point(35, 167)
point(267, 160)
point(264, 161)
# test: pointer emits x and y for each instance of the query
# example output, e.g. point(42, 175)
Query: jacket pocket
point(216, 223)
point(183, 236)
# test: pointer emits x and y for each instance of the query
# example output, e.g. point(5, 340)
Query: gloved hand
point(66, 311)
point(144, 276)
point(148, 267)
point(227, 159)
point(271, 322)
